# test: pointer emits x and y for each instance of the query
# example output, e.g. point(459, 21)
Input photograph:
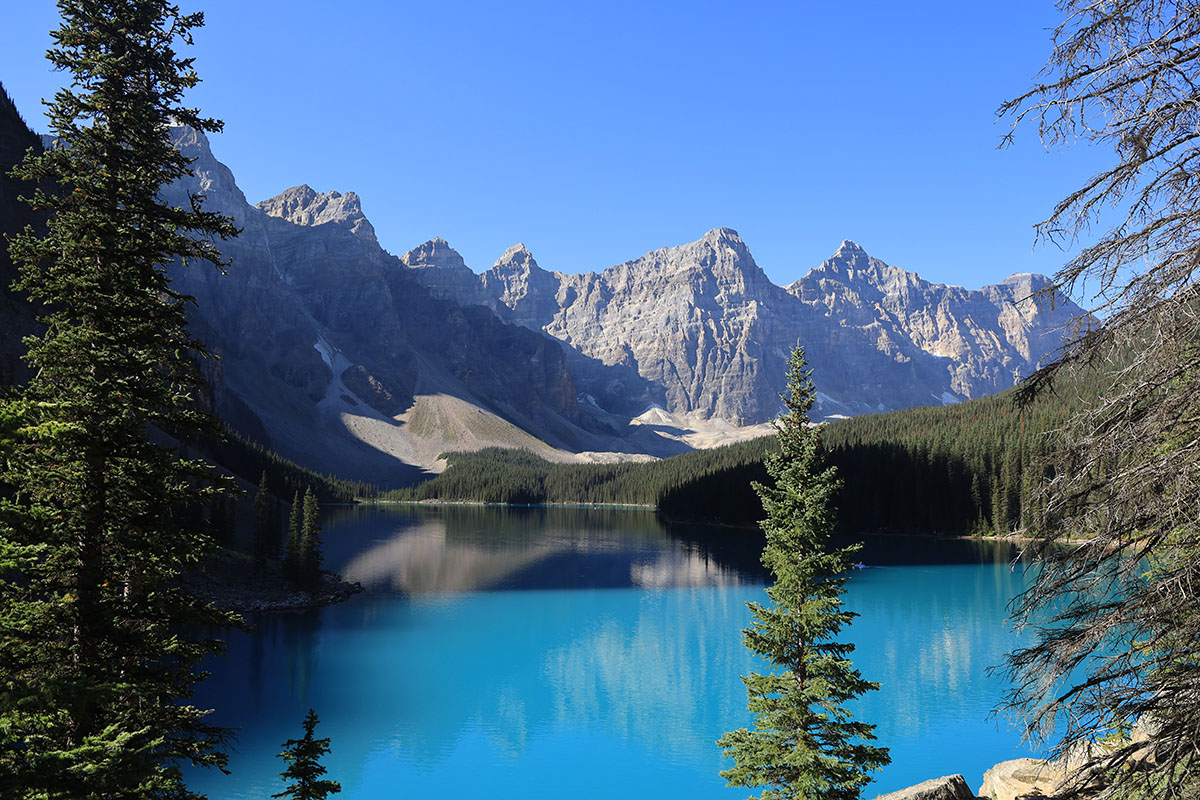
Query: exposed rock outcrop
point(442, 269)
point(951, 787)
point(326, 340)
point(701, 330)
point(990, 338)
point(302, 205)
point(1009, 780)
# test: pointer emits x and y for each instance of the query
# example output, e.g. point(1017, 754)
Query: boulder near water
point(951, 787)
point(1009, 780)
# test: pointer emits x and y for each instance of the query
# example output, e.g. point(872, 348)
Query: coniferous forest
point(960, 469)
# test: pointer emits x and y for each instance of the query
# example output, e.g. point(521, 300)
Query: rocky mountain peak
point(1025, 292)
point(1027, 282)
point(850, 264)
point(724, 241)
point(212, 178)
point(724, 237)
point(517, 259)
point(849, 249)
point(303, 205)
point(849, 255)
point(721, 254)
point(435, 253)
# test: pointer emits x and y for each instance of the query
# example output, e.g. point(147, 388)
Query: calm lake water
point(549, 653)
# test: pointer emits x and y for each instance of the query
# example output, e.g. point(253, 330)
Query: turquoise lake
point(549, 653)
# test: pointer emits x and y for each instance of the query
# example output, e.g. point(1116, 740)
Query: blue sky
point(595, 132)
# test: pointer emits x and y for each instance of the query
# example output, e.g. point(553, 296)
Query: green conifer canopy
point(97, 515)
point(805, 743)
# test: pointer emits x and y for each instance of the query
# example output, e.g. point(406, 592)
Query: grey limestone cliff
point(302, 205)
point(700, 329)
point(991, 337)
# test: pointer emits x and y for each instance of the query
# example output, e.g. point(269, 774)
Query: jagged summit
point(303, 205)
point(722, 236)
point(442, 269)
point(517, 258)
point(435, 253)
point(212, 178)
point(700, 329)
point(853, 265)
point(720, 255)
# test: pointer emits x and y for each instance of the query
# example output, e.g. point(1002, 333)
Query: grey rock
point(991, 337)
point(322, 334)
point(1019, 777)
point(442, 270)
point(302, 205)
point(951, 787)
point(701, 330)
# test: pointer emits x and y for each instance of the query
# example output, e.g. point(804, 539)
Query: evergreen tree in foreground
point(304, 770)
point(804, 744)
point(96, 521)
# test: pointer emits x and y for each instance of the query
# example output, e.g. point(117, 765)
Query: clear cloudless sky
point(596, 131)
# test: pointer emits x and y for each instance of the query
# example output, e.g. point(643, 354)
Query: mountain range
point(348, 359)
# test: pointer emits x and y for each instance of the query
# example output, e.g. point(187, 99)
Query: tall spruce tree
point(304, 769)
point(266, 538)
point(805, 743)
point(292, 558)
point(96, 520)
point(310, 542)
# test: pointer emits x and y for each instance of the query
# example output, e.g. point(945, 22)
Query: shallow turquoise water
point(582, 653)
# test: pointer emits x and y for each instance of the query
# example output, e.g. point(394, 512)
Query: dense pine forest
point(967, 468)
point(499, 475)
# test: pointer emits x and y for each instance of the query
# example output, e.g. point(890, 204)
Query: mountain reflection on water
point(540, 652)
point(417, 550)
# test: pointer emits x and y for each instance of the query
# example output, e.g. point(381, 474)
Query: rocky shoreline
point(276, 599)
point(1045, 779)
point(232, 581)
point(1008, 780)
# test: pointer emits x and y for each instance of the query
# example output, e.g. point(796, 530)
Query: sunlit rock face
point(302, 205)
point(701, 330)
point(990, 338)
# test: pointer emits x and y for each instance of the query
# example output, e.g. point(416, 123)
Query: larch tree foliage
point(304, 771)
point(96, 519)
point(1116, 619)
point(805, 743)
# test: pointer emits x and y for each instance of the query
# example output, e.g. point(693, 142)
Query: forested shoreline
point(969, 468)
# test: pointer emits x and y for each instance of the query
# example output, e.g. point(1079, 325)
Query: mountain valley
point(347, 359)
